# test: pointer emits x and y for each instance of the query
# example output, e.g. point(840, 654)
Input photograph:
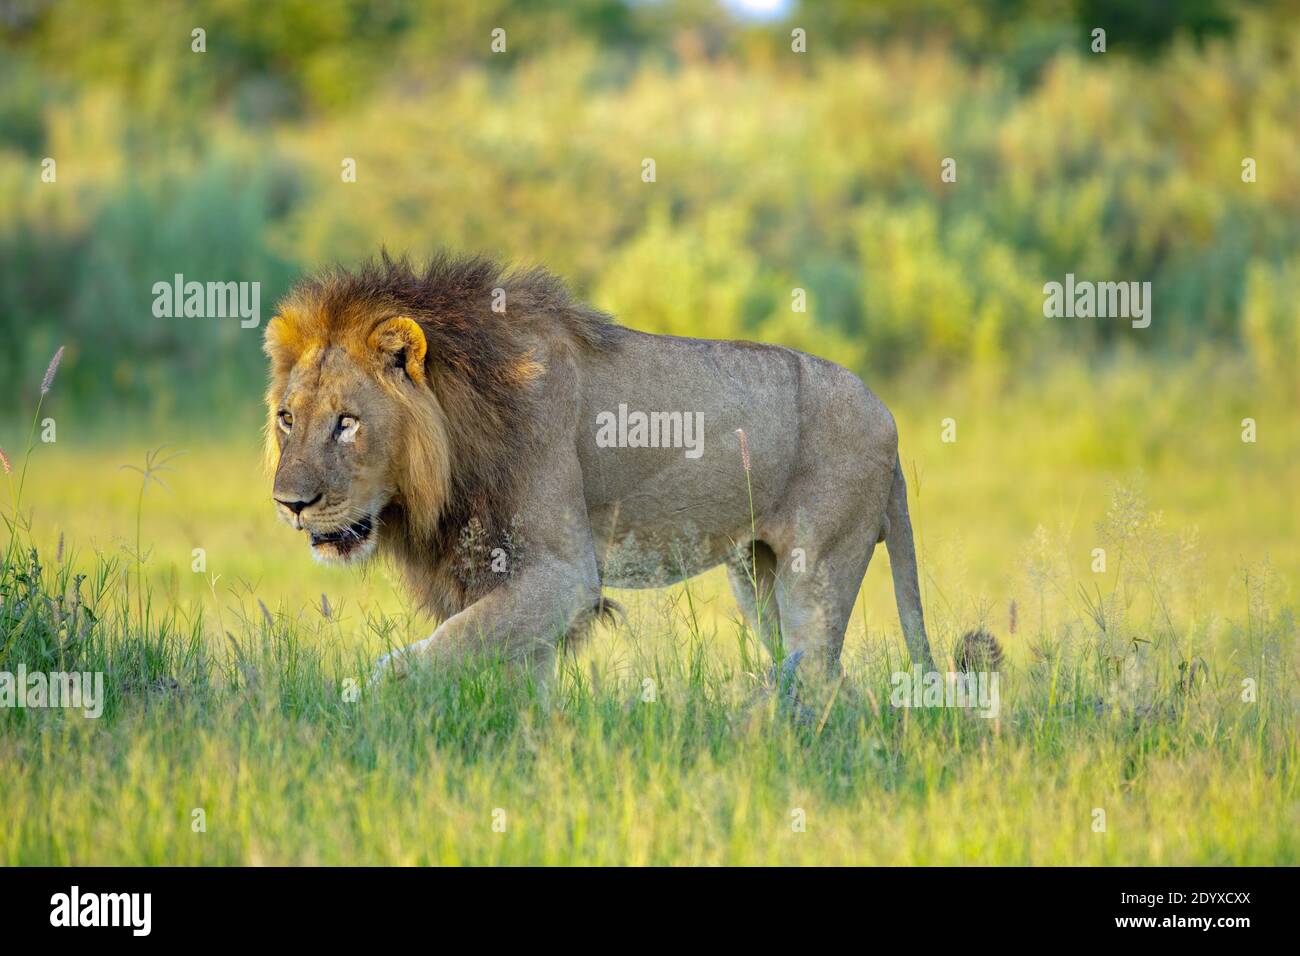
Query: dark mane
point(482, 366)
point(452, 297)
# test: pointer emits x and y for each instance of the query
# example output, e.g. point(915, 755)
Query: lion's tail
point(609, 613)
point(603, 611)
point(902, 561)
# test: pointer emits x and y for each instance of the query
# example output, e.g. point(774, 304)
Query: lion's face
point(344, 416)
point(334, 426)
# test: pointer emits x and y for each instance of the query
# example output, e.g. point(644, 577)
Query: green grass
point(1121, 692)
point(286, 770)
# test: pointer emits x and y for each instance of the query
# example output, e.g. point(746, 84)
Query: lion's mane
point(460, 471)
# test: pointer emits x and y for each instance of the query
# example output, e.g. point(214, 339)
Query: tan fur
point(471, 446)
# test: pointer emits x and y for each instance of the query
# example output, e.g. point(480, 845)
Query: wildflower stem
point(17, 497)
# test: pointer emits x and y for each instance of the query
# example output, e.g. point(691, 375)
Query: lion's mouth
point(344, 541)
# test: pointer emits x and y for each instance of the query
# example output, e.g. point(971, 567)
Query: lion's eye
point(347, 428)
point(286, 420)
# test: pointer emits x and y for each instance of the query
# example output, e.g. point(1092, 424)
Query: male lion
point(514, 451)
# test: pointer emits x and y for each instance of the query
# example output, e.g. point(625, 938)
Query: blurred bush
point(774, 172)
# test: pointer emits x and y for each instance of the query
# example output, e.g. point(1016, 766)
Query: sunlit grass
point(1122, 692)
point(286, 770)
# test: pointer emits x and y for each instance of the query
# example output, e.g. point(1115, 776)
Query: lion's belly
point(668, 488)
point(648, 558)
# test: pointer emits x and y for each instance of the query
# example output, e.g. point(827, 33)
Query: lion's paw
point(391, 665)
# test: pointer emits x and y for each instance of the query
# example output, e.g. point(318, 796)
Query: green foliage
point(292, 762)
point(774, 172)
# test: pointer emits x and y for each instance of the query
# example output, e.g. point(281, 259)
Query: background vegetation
point(775, 171)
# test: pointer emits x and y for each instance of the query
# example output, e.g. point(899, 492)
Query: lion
point(514, 452)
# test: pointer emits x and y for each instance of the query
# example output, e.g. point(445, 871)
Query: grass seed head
point(48, 380)
point(744, 448)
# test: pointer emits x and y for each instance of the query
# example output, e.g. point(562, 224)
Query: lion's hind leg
point(816, 605)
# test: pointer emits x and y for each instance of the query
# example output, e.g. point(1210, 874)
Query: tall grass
point(1129, 704)
point(1121, 691)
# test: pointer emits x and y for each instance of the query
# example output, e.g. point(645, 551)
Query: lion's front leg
point(522, 619)
point(519, 623)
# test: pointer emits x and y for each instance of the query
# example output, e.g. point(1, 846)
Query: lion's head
point(354, 430)
point(401, 404)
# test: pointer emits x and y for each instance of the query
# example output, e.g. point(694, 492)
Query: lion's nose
point(297, 506)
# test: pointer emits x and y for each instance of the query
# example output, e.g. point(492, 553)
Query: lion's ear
point(282, 343)
point(400, 343)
